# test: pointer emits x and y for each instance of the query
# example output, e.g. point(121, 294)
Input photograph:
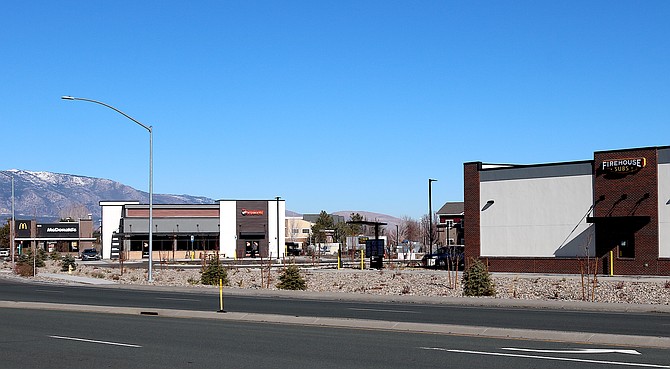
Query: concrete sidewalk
point(77, 279)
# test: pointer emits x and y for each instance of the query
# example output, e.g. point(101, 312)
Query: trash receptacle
point(376, 262)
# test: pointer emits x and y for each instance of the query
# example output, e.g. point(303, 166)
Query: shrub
point(213, 272)
point(290, 279)
point(477, 280)
point(27, 258)
point(68, 260)
point(24, 269)
point(55, 256)
point(42, 257)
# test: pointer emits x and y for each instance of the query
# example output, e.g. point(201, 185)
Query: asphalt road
point(73, 340)
point(620, 323)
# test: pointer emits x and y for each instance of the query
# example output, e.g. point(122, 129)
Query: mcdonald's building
point(234, 229)
point(62, 236)
point(610, 214)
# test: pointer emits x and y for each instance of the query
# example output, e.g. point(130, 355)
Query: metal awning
point(621, 221)
point(53, 239)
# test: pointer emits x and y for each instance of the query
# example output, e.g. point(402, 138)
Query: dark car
point(293, 249)
point(90, 254)
point(448, 257)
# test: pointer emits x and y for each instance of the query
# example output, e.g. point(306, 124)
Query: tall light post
point(430, 212)
point(277, 198)
point(11, 228)
point(151, 172)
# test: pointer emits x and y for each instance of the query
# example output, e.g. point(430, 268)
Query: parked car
point(445, 257)
point(4, 253)
point(292, 249)
point(90, 254)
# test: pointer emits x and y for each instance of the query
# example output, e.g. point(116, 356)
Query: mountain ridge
point(51, 196)
point(48, 196)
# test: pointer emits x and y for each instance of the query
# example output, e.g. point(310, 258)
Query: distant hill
point(373, 217)
point(50, 196)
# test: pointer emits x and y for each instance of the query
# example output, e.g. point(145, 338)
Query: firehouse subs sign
point(623, 166)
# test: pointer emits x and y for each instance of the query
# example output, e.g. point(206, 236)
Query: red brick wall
point(539, 265)
point(641, 199)
point(471, 220)
point(175, 212)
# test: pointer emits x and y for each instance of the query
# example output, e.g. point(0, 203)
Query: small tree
point(27, 258)
point(68, 261)
point(477, 280)
point(291, 279)
point(213, 272)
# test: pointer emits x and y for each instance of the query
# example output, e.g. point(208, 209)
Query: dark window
point(626, 248)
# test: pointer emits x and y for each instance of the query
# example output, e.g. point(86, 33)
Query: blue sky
point(332, 105)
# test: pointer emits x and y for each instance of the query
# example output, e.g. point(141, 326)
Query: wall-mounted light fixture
point(488, 205)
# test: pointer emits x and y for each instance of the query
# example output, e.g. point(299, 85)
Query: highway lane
point(72, 340)
point(628, 323)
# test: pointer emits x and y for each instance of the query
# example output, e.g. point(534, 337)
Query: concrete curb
point(504, 333)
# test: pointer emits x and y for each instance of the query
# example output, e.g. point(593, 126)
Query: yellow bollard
point(362, 259)
point(69, 269)
point(611, 263)
point(221, 296)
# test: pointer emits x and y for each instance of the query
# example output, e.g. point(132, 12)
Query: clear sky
point(332, 105)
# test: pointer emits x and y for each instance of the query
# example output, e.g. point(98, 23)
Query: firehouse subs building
point(613, 210)
point(233, 228)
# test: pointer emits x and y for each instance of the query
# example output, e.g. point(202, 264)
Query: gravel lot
point(399, 281)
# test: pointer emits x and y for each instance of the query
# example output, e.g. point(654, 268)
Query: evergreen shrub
point(477, 280)
point(290, 279)
point(213, 272)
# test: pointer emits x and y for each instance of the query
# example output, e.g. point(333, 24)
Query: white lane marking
point(576, 351)
point(386, 311)
point(94, 341)
point(547, 358)
point(50, 291)
point(174, 299)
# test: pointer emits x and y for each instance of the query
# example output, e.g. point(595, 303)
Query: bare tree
point(426, 231)
point(411, 228)
point(292, 224)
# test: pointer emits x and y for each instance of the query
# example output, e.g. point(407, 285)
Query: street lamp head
point(67, 97)
point(432, 180)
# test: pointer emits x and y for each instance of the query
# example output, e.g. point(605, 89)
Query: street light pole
point(430, 212)
point(11, 229)
point(277, 198)
point(151, 172)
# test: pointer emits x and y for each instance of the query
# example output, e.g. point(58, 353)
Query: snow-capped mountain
point(51, 196)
